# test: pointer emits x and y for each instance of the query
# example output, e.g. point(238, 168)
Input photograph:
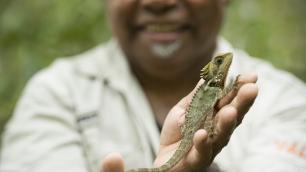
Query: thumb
point(113, 163)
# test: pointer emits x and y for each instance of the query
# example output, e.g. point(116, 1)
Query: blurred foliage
point(33, 33)
point(274, 30)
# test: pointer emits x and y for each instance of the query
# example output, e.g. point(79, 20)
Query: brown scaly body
point(200, 113)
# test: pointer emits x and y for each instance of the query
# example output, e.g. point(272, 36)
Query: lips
point(164, 28)
point(164, 32)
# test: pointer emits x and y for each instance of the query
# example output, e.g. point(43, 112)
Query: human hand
point(231, 110)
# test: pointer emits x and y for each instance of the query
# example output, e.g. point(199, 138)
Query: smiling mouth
point(165, 28)
point(164, 32)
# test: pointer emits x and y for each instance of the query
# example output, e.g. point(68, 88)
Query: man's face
point(158, 35)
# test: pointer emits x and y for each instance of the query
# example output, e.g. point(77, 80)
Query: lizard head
point(216, 70)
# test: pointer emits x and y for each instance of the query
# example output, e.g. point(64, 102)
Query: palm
point(171, 136)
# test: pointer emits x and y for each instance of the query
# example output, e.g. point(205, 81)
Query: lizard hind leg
point(209, 123)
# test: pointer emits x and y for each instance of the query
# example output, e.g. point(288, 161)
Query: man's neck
point(180, 78)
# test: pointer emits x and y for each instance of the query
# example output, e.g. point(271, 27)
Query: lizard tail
point(178, 155)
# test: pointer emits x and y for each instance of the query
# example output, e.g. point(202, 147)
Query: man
point(114, 98)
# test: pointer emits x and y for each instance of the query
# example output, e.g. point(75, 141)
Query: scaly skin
point(200, 113)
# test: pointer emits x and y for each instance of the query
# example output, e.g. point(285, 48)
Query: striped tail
point(178, 155)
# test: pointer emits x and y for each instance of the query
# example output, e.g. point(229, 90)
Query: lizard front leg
point(233, 85)
point(210, 122)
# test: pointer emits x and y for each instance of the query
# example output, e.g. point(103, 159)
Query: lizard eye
point(219, 61)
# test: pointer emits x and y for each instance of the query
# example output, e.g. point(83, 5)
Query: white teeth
point(162, 27)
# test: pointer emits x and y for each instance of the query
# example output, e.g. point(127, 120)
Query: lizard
point(201, 110)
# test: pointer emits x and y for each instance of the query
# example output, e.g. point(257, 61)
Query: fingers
point(113, 163)
point(228, 117)
point(231, 115)
point(203, 147)
point(243, 79)
point(247, 78)
point(204, 150)
point(244, 100)
point(200, 141)
point(200, 155)
point(226, 123)
point(243, 97)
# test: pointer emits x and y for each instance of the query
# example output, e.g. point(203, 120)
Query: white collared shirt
point(75, 112)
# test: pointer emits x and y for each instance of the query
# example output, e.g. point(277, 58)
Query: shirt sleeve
point(43, 135)
point(272, 136)
point(276, 132)
point(279, 144)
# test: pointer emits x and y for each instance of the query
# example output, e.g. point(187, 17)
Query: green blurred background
point(35, 32)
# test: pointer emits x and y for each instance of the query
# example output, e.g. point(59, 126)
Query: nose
point(159, 6)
